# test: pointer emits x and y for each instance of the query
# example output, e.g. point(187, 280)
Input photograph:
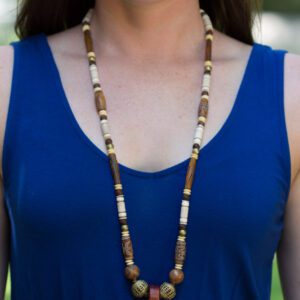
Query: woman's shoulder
point(6, 70)
point(292, 106)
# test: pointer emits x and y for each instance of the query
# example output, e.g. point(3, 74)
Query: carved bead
point(167, 291)
point(132, 272)
point(180, 252)
point(140, 289)
point(176, 276)
point(127, 248)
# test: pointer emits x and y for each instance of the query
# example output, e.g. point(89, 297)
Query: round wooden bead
point(167, 291)
point(176, 276)
point(132, 272)
point(140, 289)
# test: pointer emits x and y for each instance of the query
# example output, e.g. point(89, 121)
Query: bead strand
point(131, 271)
point(140, 288)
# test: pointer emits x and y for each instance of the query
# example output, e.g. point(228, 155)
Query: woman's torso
point(58, 188)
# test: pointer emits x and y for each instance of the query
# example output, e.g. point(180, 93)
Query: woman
point(59, 219)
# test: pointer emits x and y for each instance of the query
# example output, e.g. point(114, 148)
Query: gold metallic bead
point(182, 232)
point(167, 291)
point(140, 289)
point(124, 228)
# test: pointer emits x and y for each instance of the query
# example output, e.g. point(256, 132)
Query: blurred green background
point(279, 27)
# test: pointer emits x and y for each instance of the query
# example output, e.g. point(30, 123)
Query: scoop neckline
point(53, 67)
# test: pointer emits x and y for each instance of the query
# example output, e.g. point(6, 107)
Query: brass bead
point(140, 289)
point(182, 232)
point(167, 291)
point(124, 228)
point(132, 272)
point(176, 276)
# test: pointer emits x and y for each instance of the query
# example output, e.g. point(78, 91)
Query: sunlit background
point(279, 27)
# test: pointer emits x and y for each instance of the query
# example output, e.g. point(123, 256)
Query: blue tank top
point(65, 237)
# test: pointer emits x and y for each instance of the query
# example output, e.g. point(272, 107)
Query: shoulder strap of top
point(277, 59)
point(27, 79)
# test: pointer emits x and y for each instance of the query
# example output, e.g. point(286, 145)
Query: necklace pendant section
point(154, 292)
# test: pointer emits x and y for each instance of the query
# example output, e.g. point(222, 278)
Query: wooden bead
point(180, 252)
point(176, 276)
point(114, 168)
point(127, 248)
point(190, 173)
point(132, 272)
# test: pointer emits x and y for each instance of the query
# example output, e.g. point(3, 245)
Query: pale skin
point(150, 58)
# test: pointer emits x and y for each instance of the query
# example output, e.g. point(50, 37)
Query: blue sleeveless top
point(65, 237)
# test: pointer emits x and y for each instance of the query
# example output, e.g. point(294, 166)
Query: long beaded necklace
point(140, 288)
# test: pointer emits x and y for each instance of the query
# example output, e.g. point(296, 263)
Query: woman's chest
point(57, 190)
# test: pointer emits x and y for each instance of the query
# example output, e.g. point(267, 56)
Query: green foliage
point(288, 6)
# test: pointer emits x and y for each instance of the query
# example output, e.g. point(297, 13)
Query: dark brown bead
point(114, 168)
point(100, 101)
point(88, 41)
point(132, 272)
point(208, 50)
point(207, 71)
point(108, 141)
point(176, 276)
point(190, 173)
point(123, 221)
point(119, 192)
point(186, 197)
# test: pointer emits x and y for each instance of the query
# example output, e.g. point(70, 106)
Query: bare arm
point(4, 242)
point(6, 63)
point(289, 248)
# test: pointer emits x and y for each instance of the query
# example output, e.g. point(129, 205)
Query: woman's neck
point(151, 29)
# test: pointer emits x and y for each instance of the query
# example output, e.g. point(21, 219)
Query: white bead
point(206, 20)
point(184, 212)
point(197, 141)
point(104, 127)
point(121, 207)
point(205, 89)
point(122, 215)
point(97, 89)
point(85, 27)
point(120, 198)
point(107, 136)
point(183, 221)
point(88, 16)
point(206, 80)
point(199, 132)
point(209, 27)
point(94, 74)
point(185, 203)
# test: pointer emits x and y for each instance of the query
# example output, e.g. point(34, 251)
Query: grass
point(276, 289)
